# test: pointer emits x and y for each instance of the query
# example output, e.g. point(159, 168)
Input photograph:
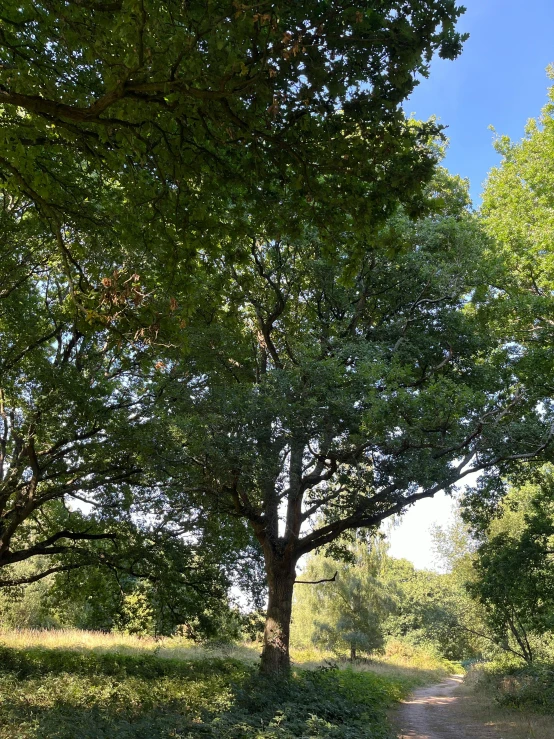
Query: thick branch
point(47, 547)
point(38, 576)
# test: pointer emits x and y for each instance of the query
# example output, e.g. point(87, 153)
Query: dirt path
point(438, 713)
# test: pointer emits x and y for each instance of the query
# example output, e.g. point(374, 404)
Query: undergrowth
point(64, 694)
point(511, 685)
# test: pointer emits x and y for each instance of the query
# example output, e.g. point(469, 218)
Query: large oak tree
point(199, 217)
point(139, 141)
point(326, 393)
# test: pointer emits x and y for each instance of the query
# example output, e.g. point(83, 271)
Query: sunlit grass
point(401, 661)
point(479, 706)
point(398, 661)
point(75, 639)
point(99, 641)
point(67, 689)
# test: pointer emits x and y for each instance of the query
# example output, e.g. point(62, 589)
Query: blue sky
point(498, 80)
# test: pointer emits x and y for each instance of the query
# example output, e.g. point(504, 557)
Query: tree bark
point(275, 654)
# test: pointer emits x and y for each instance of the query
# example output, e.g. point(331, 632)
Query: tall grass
point(101, 642)
point(399, 660)
point(512, 685)
point(517, 702)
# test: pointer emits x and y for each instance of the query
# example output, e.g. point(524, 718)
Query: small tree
point(348, 611)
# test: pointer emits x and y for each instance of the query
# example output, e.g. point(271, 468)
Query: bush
point(24, 607)
point(514, 686)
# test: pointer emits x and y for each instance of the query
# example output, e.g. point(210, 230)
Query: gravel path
point(438, 713)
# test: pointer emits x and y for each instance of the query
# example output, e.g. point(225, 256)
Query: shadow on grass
point(38, 661)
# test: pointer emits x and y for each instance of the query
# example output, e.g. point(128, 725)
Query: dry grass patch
point(78, 640)
point(408, 665)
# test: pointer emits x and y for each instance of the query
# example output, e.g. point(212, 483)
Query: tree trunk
point(352, 653)
point(275, 654)
point(520, 636)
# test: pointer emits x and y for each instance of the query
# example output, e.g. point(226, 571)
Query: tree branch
point(317, 582)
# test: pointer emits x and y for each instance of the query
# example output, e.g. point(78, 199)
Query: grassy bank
point(64, 685)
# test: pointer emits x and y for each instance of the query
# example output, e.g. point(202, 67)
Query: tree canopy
point(513, 568)
point(142, 134)
point(139, 142)
point(192, 108)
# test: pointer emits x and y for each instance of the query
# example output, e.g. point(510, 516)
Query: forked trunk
point(275, 654)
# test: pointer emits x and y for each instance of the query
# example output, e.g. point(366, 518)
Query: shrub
point(514, 686)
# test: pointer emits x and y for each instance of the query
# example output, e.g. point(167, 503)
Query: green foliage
point(137, 613)
point(89, 598)
point(152, 601)
point(74, 433)
point(345, 615)
point(27, 606)
point(431, 611)
point(421, 664)
point(455, 546)
point(514, 581)
point(195, 110)
point(517, 212)
point(377, 598)
point(79, 452)
point(525, 688)
point(96, 695)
